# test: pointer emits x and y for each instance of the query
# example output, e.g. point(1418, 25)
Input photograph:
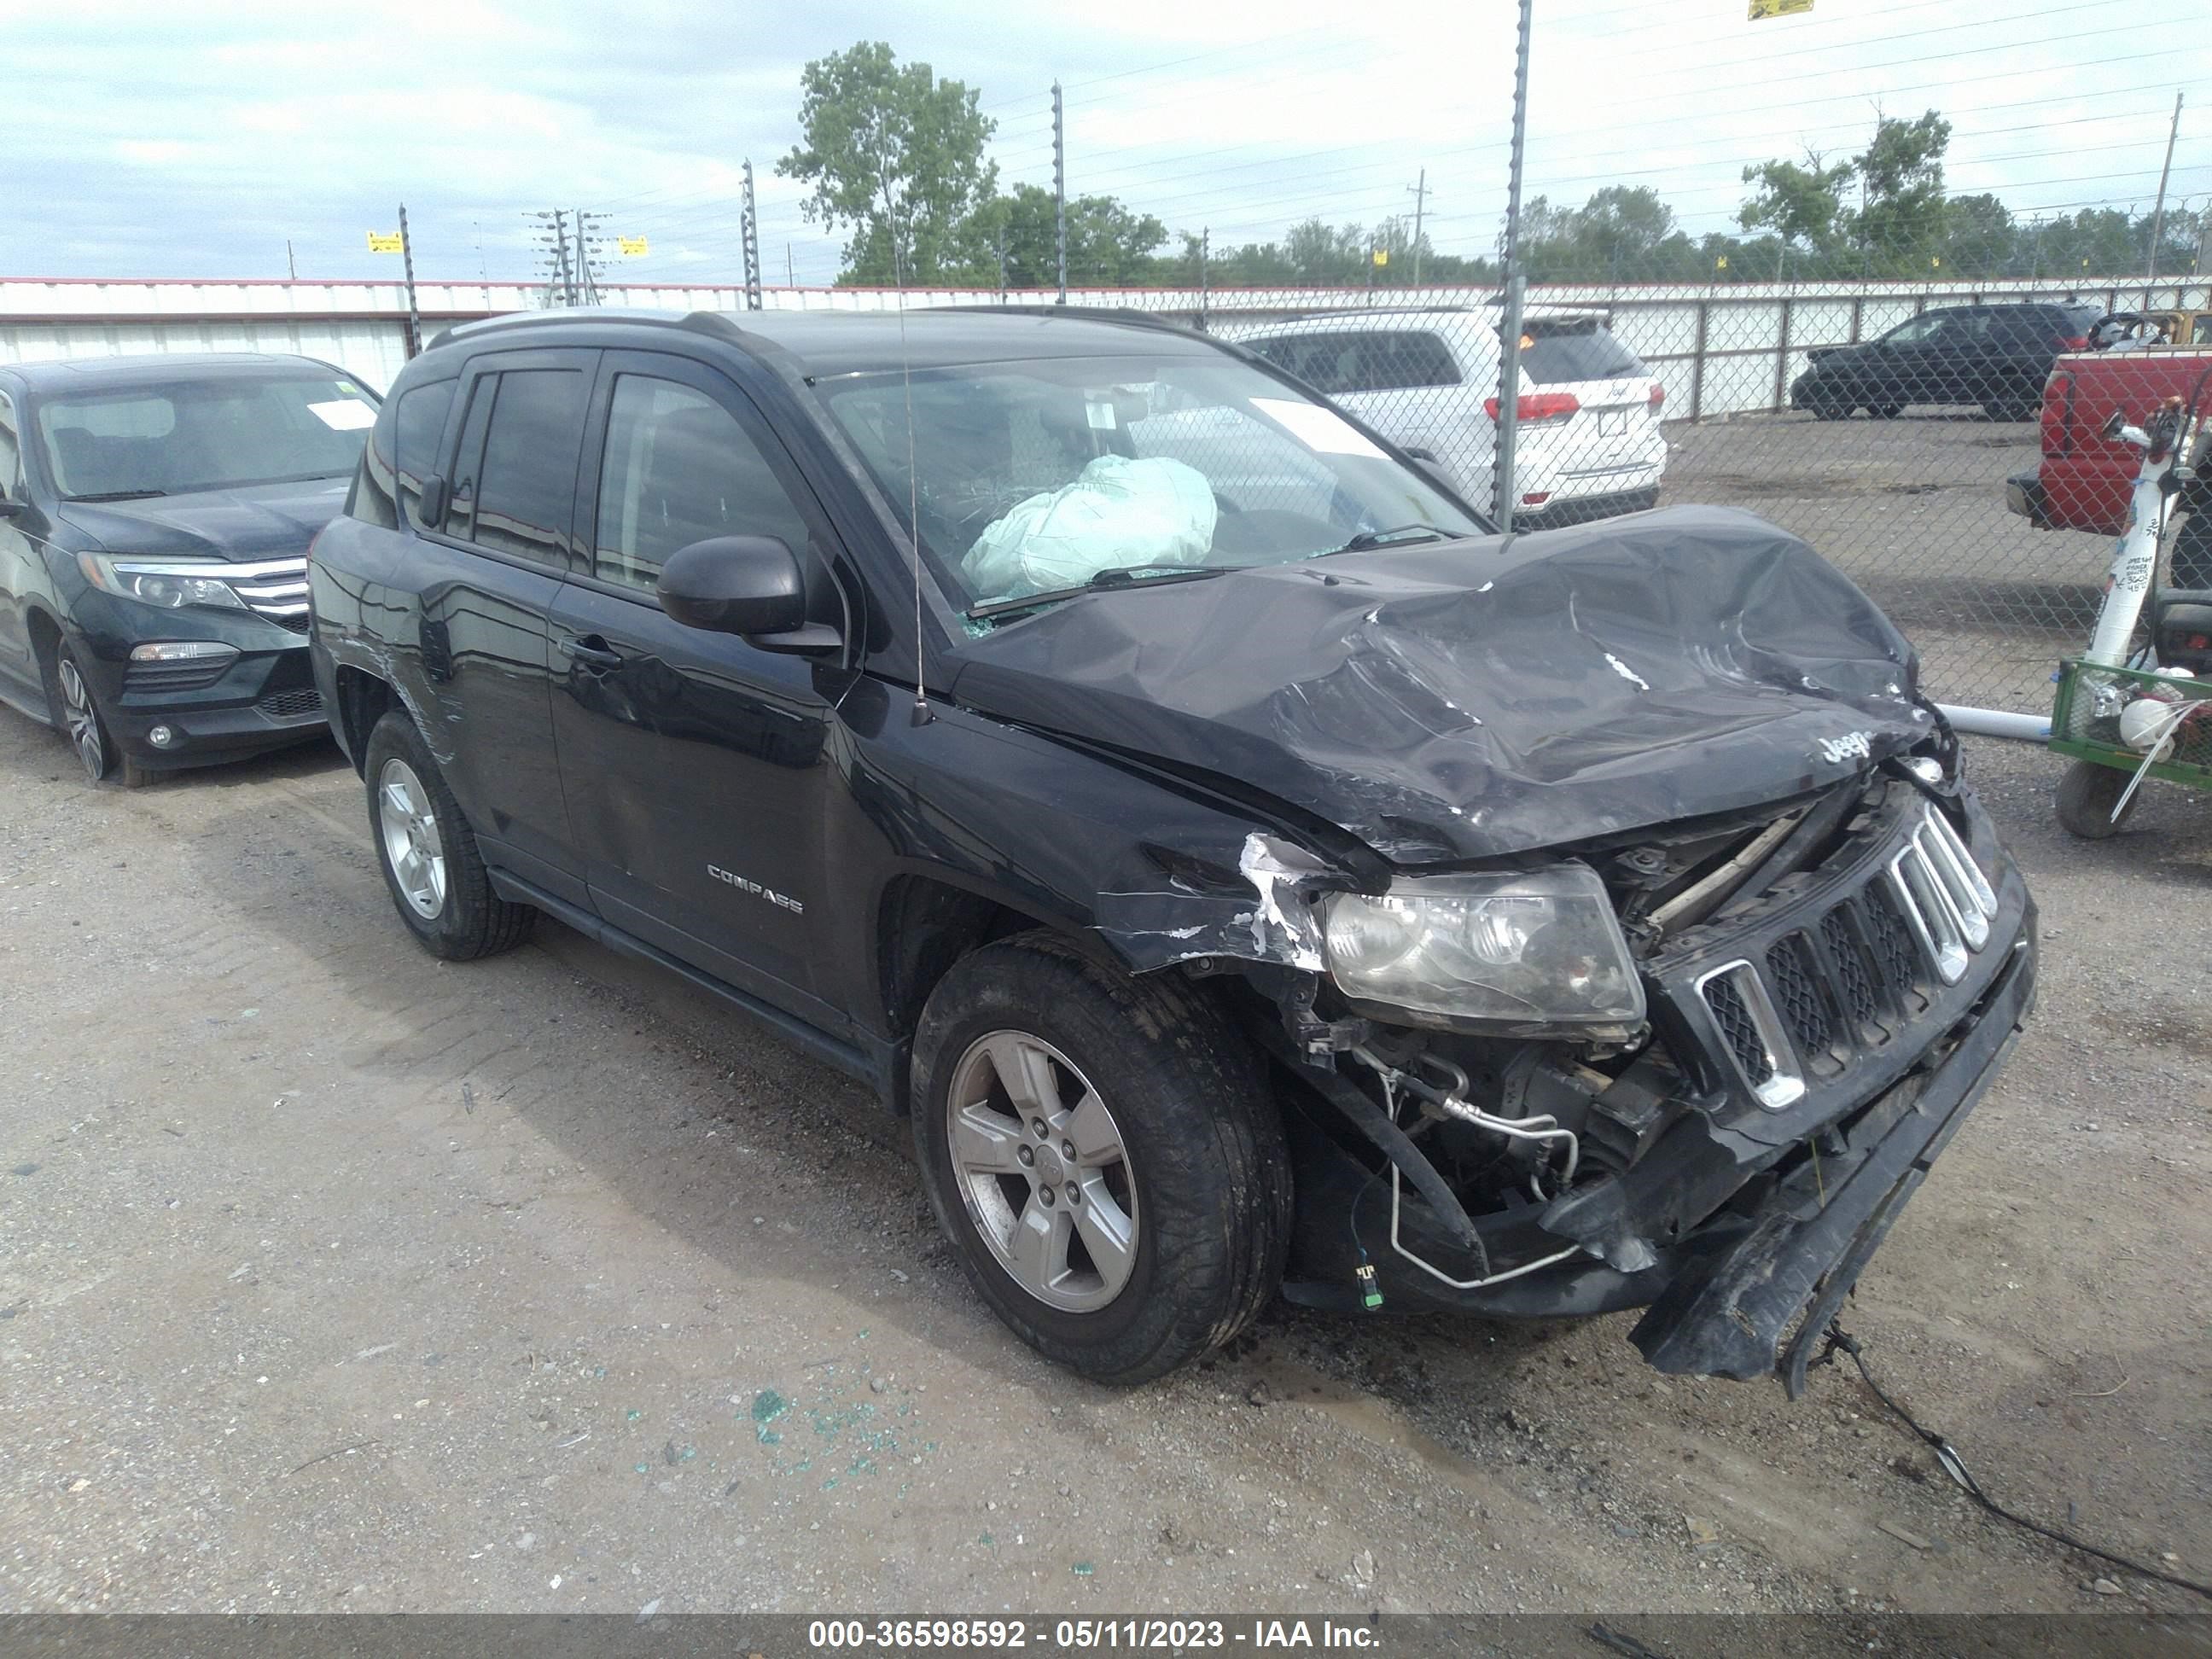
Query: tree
point(1109, 246)
point(1799, 203)
point(1978, 236)
point(1901, 173)
point(895, 153)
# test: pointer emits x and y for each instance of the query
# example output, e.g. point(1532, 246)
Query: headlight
point(171, 587)
point(1515, 952)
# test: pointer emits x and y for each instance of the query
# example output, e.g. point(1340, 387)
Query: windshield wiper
point(117, 495)
point(1115, 576)
point(1397, 535)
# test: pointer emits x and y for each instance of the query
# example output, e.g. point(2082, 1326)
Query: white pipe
point(1997, 723)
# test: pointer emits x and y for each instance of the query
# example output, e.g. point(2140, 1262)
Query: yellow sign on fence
point(380, 242)
point(632, 245)
point(1760, 8)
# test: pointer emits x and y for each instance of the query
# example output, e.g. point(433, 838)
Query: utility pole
point(790, 272)
point(1002, 262)
point(1420, 201)
point(1060, 188)
point(407, 268)
point(291, 269)
point(2158, 214)
point(560, 288)
point(587, 284)
point(748, 234)
point(1504, 491)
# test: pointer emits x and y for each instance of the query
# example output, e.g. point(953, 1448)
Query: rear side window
point(679, 469)
point(422, 422)
point(1553, 350)
point(1376, 360)
point(401, 452)
point(525, 485)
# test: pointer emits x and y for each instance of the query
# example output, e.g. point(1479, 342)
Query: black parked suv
point(154, 517)
point(1994, 356)
point(1248, 871)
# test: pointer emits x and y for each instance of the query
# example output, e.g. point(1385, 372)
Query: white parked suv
point(1589, 443)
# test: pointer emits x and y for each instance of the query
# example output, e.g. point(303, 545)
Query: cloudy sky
point(195, 137)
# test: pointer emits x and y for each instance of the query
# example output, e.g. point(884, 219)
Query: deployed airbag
point(1117, 513)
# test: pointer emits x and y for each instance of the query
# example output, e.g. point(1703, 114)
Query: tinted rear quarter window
point(1559, 351)
point(1364, 360)
point(400, 454)
point(525, 486)
point(422, 422)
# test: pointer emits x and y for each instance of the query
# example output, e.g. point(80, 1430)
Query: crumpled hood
point(260, 521)
point(1476, 698)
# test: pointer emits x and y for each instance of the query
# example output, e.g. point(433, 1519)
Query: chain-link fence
point(1898, 428)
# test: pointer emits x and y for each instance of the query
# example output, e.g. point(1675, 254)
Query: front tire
point(1104, 1153)
point(2086, 795)
point(428, 854)
point(69, 694)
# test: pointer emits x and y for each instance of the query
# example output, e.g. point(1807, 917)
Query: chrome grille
point(1855, 981)
point(1752, 1027)
point(1919, 922)
point(1943, 899)
point(274, 588)
point(1797, 994)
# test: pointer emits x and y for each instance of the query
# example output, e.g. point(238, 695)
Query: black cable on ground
point(1840, 1340)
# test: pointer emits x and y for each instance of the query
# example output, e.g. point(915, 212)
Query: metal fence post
point(1782, 361)
point(1858, 315)
point(1697, 364)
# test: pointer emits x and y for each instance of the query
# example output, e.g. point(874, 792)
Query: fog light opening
point(161, 736)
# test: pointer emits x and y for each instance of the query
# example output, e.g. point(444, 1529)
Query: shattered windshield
point(1033, 476)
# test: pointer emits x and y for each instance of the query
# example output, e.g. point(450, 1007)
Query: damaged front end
point(1820, 996)
point(1621, 931)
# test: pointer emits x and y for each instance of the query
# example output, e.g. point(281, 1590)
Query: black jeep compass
point(154, 516)
point(1249, 873)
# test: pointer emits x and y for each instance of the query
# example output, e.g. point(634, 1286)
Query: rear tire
point(428, 854)
point(1181, 1176)
point(2085, 798)
point(1830, 408)
point(1885, 411)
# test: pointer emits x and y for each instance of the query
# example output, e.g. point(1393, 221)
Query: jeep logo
point(1852, 745)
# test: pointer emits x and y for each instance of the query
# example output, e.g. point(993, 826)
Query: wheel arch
point(363, 699)
point(923, 925)
point(47, 633)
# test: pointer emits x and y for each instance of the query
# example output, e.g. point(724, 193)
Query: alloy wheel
point(1042, 1170)
point(81, 720)
point(412, 845)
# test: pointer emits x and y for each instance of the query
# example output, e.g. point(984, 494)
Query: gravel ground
point(335, 1278)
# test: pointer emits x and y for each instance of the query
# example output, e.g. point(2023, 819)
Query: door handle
point(590, 651)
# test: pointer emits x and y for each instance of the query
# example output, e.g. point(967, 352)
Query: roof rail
point(1129, 314)
point(482, 325)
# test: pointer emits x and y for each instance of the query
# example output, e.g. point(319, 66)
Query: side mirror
point(745, 585)
point(430, 505)
point(10, 506)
